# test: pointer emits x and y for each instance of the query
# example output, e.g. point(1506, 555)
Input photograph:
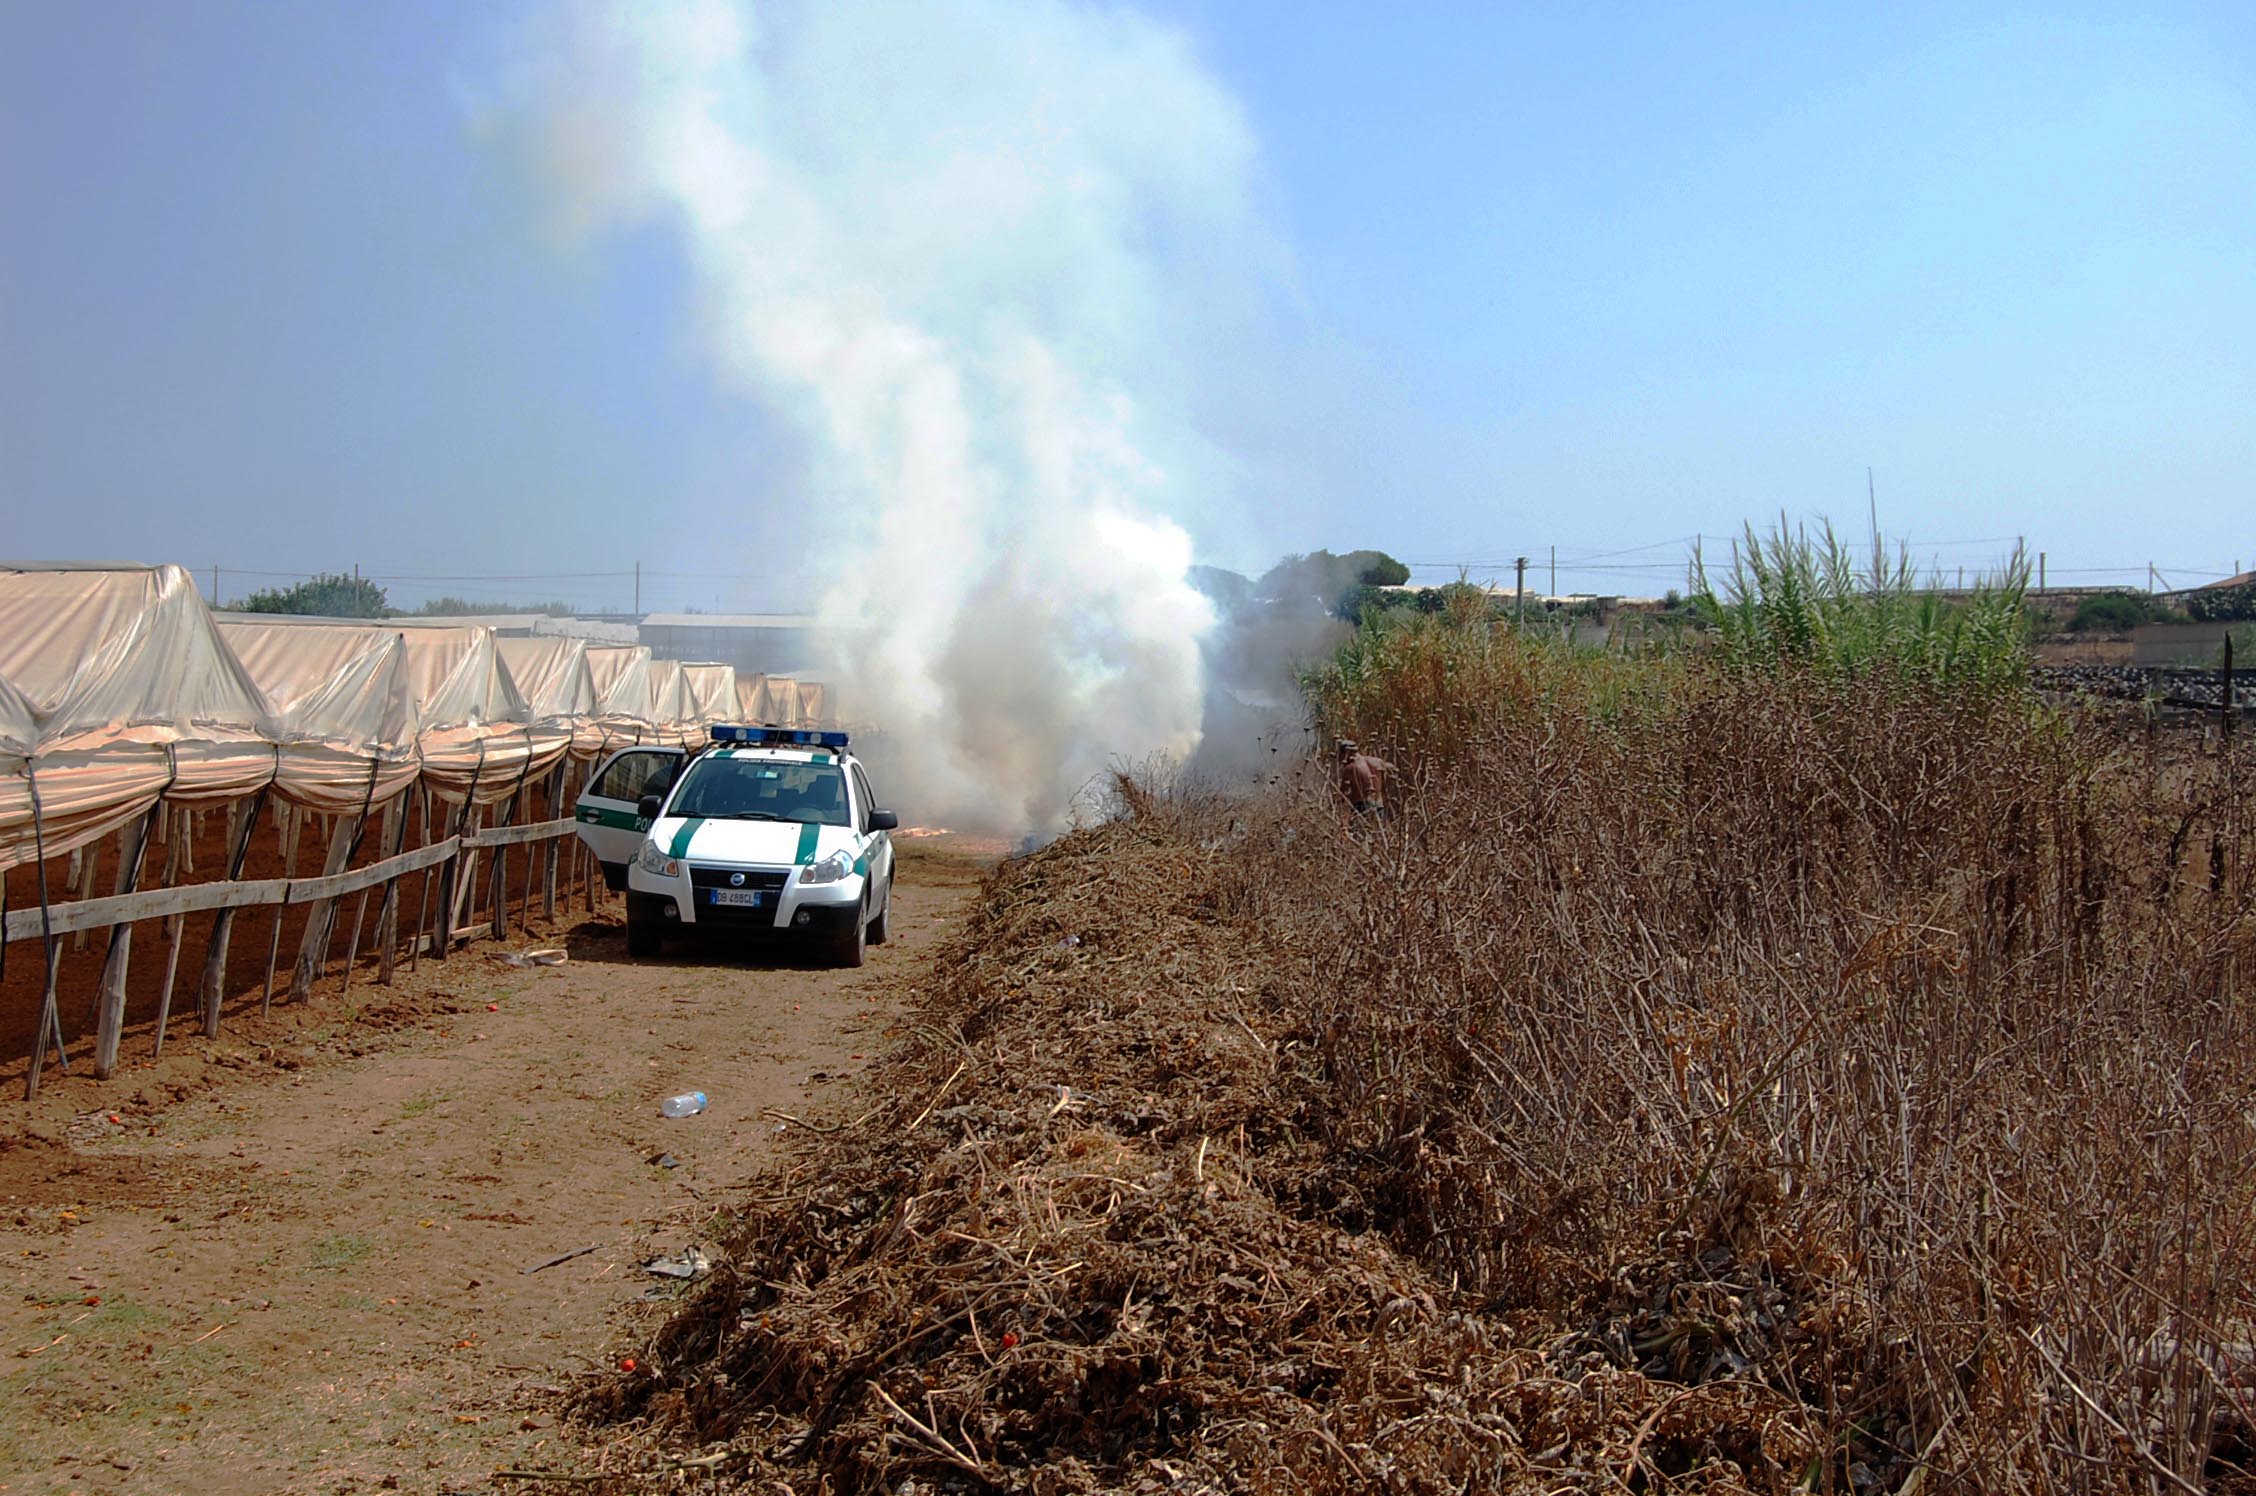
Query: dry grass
point(1886, 1049)
point(1709, 1083)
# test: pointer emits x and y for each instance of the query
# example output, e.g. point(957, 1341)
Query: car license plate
point(739, 898)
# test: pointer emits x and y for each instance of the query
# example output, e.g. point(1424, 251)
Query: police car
point(766, 829)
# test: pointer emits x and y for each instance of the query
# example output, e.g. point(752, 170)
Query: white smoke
point(969, 248)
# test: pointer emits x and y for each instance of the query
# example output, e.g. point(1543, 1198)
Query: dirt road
point(311, 1272)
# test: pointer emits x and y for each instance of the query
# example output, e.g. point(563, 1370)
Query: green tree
point(458, 607)
point(330, 595)
point(1378, 569)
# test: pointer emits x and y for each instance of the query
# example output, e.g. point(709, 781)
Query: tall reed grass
point(1791, 598)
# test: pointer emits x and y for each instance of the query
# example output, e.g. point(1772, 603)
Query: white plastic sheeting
point(118, 691)
point(711, 690)
point(475, 735)
point(784, 701)
point(552, 675)
point(626, 700)
point(672, 715)
point(344, 709)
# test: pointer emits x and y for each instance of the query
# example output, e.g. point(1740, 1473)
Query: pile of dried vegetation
point(1712, 1080)
point(1092, 1240)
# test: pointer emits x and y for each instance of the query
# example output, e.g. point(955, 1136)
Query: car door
point(609, 821)
point(876, 845)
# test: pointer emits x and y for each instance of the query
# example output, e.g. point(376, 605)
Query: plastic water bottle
point(687, 1104)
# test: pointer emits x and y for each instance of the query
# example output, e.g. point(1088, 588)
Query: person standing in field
point(1362, 781)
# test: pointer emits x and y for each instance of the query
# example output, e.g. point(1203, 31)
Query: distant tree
point(1333, 583)
point(1378, 569)
point(1227, 590)
point(2118, 612)
point(456, 607)
point(330, 595)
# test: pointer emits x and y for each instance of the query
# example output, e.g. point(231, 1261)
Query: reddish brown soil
point(80, 974)
point(295, 1259)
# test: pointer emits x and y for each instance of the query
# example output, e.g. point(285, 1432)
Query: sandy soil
point(300, 1262)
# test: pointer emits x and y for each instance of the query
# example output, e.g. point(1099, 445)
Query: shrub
point(2110, 613)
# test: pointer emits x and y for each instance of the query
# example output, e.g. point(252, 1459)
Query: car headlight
point(655, 862)
point(828, 869)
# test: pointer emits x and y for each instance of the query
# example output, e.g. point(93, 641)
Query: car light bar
point(779, 737)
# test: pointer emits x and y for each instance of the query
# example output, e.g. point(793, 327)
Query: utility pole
point(1872, 510)
point(215, 584)
point(1519, 601)
point(638, 590)
point(1554, 571)
point(2040, 573)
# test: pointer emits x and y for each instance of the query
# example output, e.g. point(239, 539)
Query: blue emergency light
point(779, 737)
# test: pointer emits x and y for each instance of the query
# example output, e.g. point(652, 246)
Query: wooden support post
point(175, 928)
point(50, 1022)
point(499, 898)
point(112, 1026)
point(82, 870)
point(322, 915)
point(387, 913)
point(422, 912)
point(352, 945)
point(273, 953)
point(557, 787)
point(223, 921)
point(463, 886)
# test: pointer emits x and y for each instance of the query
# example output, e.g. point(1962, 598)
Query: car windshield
point(756, 789)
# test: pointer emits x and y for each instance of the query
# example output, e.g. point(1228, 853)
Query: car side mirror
point(884, 820)
point(649, 806)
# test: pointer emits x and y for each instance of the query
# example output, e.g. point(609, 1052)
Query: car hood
point(751, 843)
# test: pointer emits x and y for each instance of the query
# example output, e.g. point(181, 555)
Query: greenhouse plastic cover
point(552, 675)
point(671, 713)
point(116, 690)
point(712, 693)
point(475, 734)
point(624, 700)
point(343, 706)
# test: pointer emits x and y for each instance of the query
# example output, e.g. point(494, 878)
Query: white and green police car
point(767, 829)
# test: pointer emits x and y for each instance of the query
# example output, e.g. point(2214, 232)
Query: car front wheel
point(644, 938)
point(878, 931)
point(853, 941)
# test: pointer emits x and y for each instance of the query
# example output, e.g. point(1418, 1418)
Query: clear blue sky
point(1599, 277)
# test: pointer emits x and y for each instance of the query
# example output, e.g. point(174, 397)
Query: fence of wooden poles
point(442, 874)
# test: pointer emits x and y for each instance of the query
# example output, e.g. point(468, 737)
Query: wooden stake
point(112, 1026)
point(321, 917)
point(83, 869)
point(223, 922)
point(422, 908)
point(175, 927)
point(387, 914)
point(352, 946)
point(50, 1022)
point(499, 898)
point(273, 951)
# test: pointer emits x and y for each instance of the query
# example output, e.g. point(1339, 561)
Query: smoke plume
point(971, 250)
